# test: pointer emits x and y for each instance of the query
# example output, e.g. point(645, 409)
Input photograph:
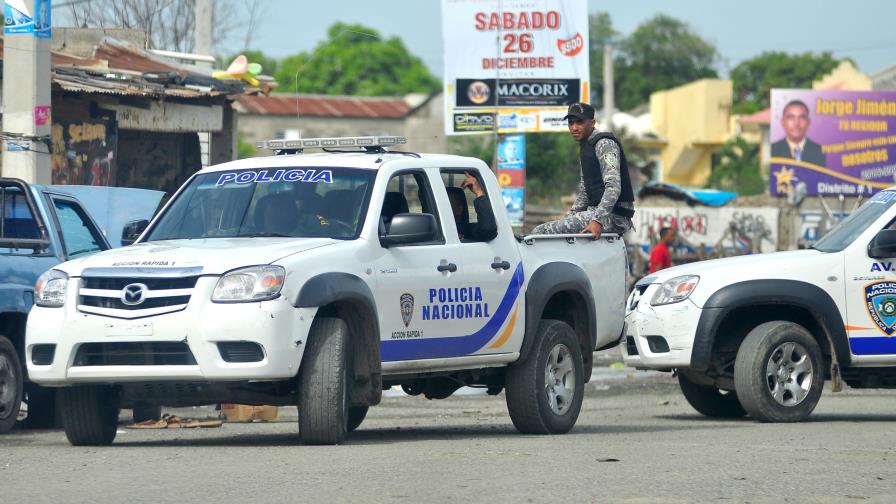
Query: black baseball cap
point(580, 110)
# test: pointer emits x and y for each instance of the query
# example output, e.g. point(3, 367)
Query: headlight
point(49, 291)
point(255, 283)
point(675, 290)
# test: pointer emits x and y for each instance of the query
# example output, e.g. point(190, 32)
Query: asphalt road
point(636, 440)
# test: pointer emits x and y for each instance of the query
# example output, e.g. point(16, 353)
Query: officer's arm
point(485, 229)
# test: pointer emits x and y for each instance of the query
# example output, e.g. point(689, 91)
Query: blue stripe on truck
point(456, 346)
point(881, 345)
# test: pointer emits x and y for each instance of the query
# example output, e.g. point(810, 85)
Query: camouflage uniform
point(580, 215)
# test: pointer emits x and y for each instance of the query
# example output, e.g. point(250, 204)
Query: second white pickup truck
point(318, 280)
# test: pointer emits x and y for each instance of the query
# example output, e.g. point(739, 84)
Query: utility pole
point(609, 96)
point(202, 36)
point(26, 96)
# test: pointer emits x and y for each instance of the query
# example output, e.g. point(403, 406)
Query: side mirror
point(132, 231)
point(407, 228)
point(883, 245)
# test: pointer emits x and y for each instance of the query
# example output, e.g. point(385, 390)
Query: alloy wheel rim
point(789, 373)
point(560, 379)
point(7, 386)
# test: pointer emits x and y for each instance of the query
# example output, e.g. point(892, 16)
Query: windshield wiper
point(264, 234)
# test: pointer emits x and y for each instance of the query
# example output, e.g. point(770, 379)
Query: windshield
point(851, 227)
point(289, 202)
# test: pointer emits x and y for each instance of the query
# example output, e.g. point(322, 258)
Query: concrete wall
point(422, 127)
point(694, 119)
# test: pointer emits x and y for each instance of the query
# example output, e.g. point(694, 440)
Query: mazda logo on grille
point(134, 294)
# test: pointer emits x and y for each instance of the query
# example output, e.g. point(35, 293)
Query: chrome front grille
point(113, 293)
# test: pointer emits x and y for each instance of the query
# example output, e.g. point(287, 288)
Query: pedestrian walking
point(660, 257)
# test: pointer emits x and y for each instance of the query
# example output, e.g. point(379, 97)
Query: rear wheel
point(779, 373)
point(11, 379)
point(89, 414)
point(323, 383)
point(709, 400)
point(544, 392)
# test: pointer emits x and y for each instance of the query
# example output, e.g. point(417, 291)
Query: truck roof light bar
point(368, 143)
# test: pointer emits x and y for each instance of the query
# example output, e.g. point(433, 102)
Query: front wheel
point(11, 379)
point(89, 414)
point(709, 400)
point(778, 372)
point(544, 392)
point(323, 383)
point(356, 415)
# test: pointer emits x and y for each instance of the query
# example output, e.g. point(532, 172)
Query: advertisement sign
point(540, 63)
point(832, 142)
point(42, 20)
point(514, 200)
point(16, 18)
point(512, 161)
point(728, 226)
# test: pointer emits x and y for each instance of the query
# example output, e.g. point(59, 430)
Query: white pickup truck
point(760, 334)
point(319, 280)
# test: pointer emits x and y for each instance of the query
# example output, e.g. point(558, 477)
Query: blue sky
point(861, 30)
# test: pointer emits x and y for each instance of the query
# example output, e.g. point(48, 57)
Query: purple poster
point(832, 142)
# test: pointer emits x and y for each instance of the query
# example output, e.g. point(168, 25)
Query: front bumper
point(659, 337)
point(279, 328)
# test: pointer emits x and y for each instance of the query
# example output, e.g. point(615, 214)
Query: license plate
point(144, 329)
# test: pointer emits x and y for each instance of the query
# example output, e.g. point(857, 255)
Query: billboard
point(518, 62)
point(832, 142)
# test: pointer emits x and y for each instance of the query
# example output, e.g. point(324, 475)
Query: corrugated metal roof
point(117, 68)
point(323, 106)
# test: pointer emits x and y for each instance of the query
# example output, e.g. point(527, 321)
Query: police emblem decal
point(407, 308)
point(880, 299)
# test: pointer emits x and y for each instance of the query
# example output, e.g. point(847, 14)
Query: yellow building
point(694, 119)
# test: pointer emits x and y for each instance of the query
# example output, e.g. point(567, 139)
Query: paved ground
point(636, 441)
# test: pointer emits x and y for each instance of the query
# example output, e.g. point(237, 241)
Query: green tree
point(552, 166)
point(244, 148)
point(663, 52)
point(356, 60)
point(600, 33)
point(737, 168)
point(755, 77)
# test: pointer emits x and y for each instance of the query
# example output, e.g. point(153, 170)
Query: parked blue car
point(40, 227)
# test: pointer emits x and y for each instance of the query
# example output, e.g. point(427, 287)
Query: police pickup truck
point(759, 334)
point(320, 280)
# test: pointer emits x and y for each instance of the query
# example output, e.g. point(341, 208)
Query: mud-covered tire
point(356, 415)
point(144, 412)
point(779, 373)
point(709, 400)
point(323, 383)
point(12, 377)
point(544, 392)
point(89, 414)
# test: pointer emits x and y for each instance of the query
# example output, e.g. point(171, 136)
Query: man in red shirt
point(660, 258)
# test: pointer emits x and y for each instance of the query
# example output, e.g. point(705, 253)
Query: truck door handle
point(447, 267)
point(501, 265)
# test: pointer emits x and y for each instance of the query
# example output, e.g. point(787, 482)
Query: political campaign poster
point(512, 161)
point(515, 202)
point(17, 18)
point(832, 142)
point(522, 61)
point(42, 18)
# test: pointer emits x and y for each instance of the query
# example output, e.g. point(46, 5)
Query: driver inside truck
point(484, 229)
